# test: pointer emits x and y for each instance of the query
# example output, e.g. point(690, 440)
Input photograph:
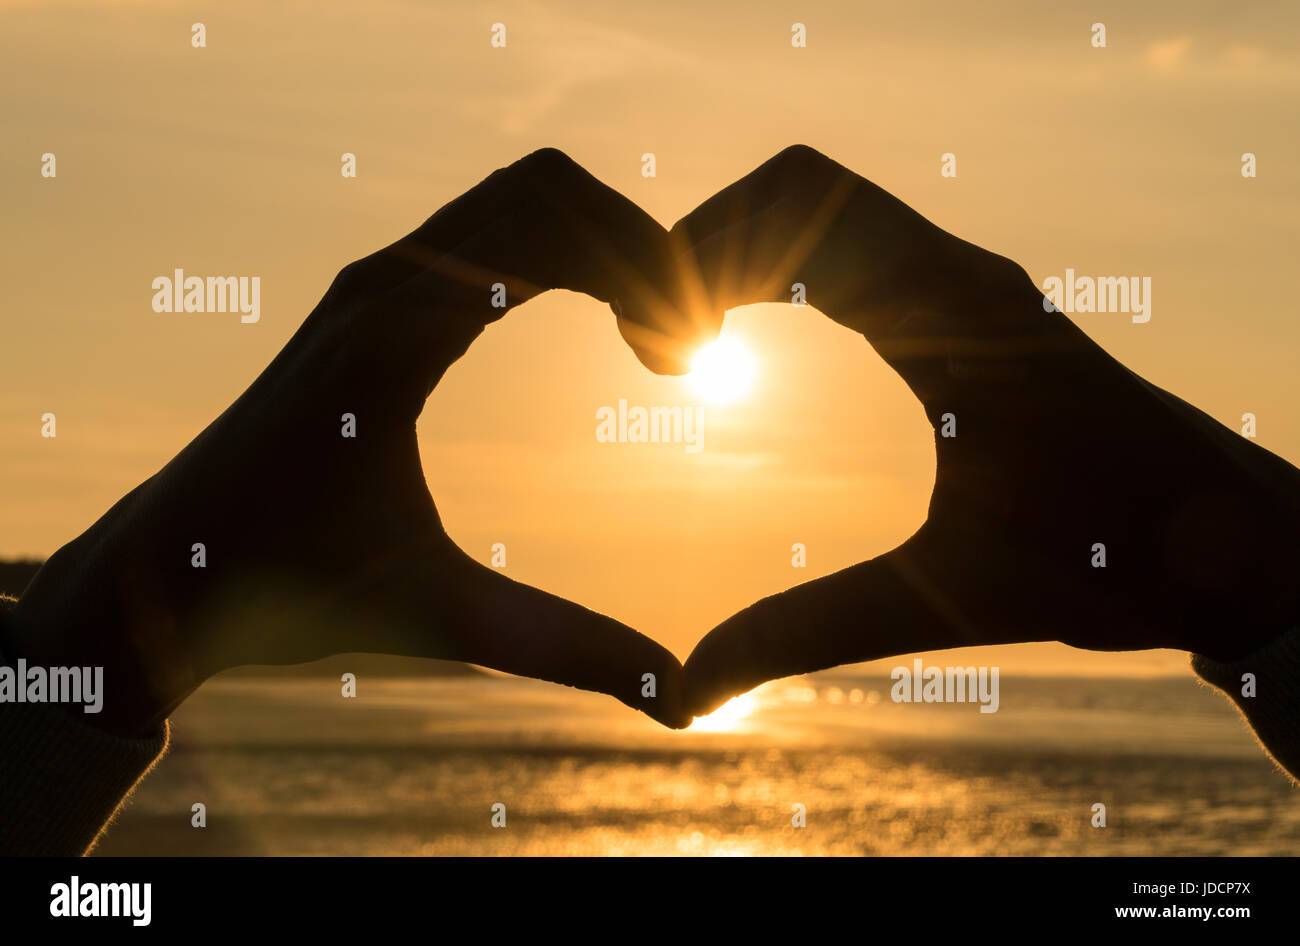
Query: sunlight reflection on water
point(414, 767)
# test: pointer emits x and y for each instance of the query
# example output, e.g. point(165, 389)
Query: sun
point(728, 716)
point(723, 371)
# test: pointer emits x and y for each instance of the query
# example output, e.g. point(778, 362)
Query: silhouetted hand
point(1057, 448)
point(317, 543)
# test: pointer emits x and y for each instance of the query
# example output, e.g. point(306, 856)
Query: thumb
point(482, 617)
point(894, 604)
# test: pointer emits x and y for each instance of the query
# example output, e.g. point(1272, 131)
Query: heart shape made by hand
point(321, 537)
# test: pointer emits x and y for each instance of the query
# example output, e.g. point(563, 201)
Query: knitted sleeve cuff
point(62, 779)
point(1269, 698)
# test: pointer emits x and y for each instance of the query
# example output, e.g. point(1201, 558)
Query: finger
point(902, 602)
point(740, 247)
point(542, 223)
point(803, 208)
point(757, 258)
point(920, 295)
point(750, 246)
point(523, 630)
point(620, 255)
point(792, 249)
point(797, 171)
point(441, 603)
point(752, 236)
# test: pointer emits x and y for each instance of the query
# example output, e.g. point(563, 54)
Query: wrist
point(59, 625)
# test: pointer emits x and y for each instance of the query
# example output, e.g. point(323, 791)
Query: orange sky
point(1120, 161)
